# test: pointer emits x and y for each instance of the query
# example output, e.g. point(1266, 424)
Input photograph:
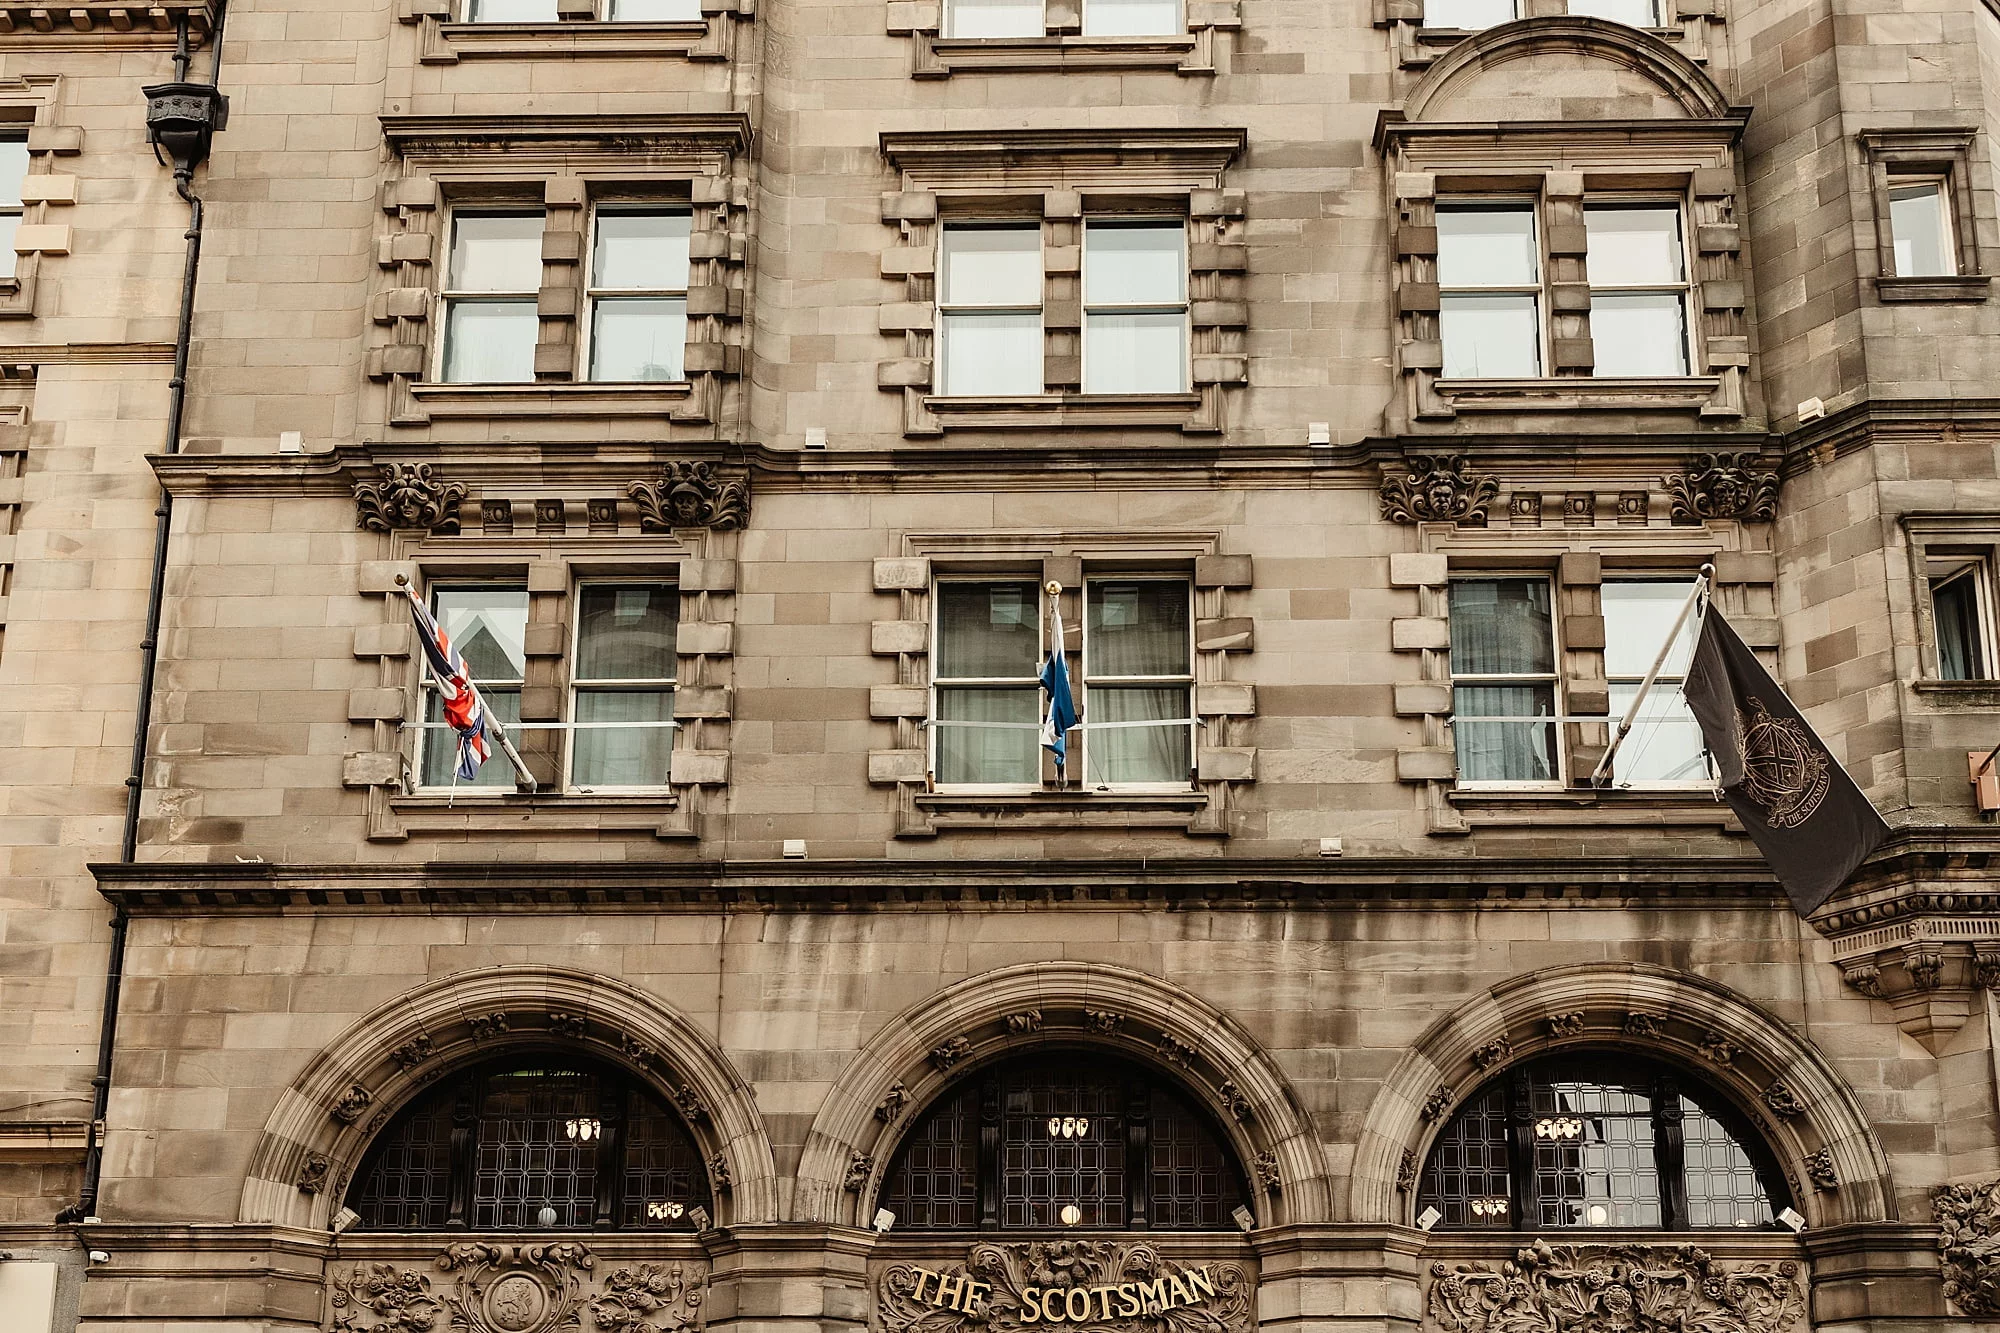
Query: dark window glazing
point(1599, 1140)
point(1016, 1145)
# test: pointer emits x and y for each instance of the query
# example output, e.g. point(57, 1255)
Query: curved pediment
point(1564, 69)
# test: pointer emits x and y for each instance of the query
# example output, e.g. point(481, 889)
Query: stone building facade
point(1369, 381)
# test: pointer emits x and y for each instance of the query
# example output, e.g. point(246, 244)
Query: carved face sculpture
point(1724, 492)
point(1441, 496)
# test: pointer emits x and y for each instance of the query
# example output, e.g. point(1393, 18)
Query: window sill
point(993, 55)
point(1958, 287)
point(486, 810)
point(1079, 808)
point(1076, 410)
point(1580, 394)
point(571, 39)
point(474, 401)
point(1574, 807)
point(1959, 695)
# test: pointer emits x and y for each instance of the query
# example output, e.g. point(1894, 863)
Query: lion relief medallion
point(517, 1303)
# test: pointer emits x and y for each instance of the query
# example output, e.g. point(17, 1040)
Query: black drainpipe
point(181, 119)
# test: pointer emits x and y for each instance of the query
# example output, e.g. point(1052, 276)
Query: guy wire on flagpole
point(499, 729)
point(1702, 584)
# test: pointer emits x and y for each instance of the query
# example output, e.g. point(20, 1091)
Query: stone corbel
point(1438, 489)
point(1722, 485)
point(693, 495)
point(409, 495)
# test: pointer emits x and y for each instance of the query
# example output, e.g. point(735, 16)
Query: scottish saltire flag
point(1061, 713)
point(463, 707)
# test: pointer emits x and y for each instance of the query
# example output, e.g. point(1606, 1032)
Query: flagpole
point(1053, 622)
point(1701, 585)
point(521, 773)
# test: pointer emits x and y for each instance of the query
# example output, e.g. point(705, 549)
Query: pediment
point(1564, 70)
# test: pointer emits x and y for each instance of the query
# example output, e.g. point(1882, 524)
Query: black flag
point(1799, 806)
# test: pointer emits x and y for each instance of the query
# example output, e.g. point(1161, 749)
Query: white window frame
point(1180, 307)
point(1664, 685)
point(593, 293)
point(1553, 677)
point(946, 309)
point(1948, 566)
point(13, 211)
point(448, 297)
point(1536, 290)
point(1090, 680)
point(429, 733)
point(940, 682)
point(1653, 22)
point(1515, 5)
point(1940, 183)
point(577, 686)
point(1684, 289)
point(1178, 29)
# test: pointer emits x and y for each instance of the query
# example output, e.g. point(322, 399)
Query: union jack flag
point(463, 707)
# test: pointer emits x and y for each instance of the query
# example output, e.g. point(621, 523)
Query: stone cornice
point(1858, 425)
point(165, 889)
point(975, 150)
point(729, 130)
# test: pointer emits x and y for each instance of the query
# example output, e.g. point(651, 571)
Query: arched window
point(532, 1144)
point(1016, 1144)
point(1603, 1140)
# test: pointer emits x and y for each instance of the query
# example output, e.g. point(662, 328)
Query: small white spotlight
point(1429, 1218)
point(342, 1220)
point(1243, 1217)
point(1792, 1219)
point(884, 1219)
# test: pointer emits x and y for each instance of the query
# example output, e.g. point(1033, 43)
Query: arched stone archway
point(910, 1062)
point(1808, 1115)
point(1651, 63)
point(322, 1124)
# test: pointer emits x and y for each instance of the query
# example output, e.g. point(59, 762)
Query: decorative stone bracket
point(1724, 485)
point(1927, 954)
point(693, 495)
point(408, 496)
point(1222, 706)
point(1438, 489)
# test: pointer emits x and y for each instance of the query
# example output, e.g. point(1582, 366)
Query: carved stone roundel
point(516, 1303)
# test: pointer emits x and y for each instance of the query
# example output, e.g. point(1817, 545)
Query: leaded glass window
point(1599, 1140)
point(1020, 1144)
point(534, 1145)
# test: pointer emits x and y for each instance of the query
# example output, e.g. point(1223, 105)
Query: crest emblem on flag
point(1784, 769)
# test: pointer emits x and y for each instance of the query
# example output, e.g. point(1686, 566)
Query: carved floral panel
point(474, 1287)
point(1613, 1289)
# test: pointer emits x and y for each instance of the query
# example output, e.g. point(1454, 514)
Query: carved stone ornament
point(1440, 1100)
point(1438, 489)
point(1103, 1021)
point(1643, 1026)
point(1265, 1164)
point(518, 1289)
point(1821, 1171)
point(408, 496)
point(1233, 1098)
point(1986, 969)
point(860, 1166)
point(1925, 966)
point(692, 495)
point(1719, 1050)
point(351, 1104)
point(1615, 1287)
point(638, 1052)
point(719, 1178)
point(570, 1027)
point(412, 1052)
point(1968, 1216)
point(485, 1027)
point(1722, 486)
point(1865, 977)
point(313, 1172)
point(1566, 1025)
point(1087, 1285)
point(1782, 1103)
point(949, 1053)
point(691, 1104)
point(1174, 1051)
point(893, 1102)
point(1493, 1052)
point(1028, 1020)
point(1406, 1172)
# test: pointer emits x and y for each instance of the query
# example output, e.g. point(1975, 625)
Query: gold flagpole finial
point(1052, 588)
